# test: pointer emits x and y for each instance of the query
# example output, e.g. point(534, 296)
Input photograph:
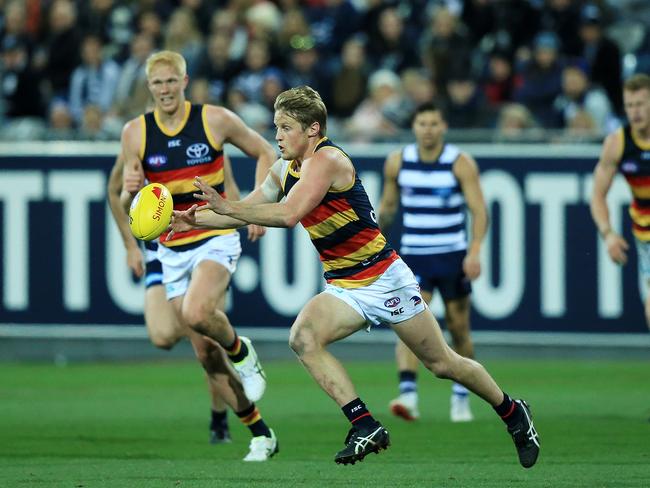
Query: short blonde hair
point(637, 82)
point(170, 58)
point(304, 104)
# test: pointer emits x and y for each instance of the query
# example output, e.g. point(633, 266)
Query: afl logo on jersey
point(156, 160)
point(629, 167)
point(197, 151)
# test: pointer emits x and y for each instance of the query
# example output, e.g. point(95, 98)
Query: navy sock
point(507, 410)
point(237, 351)
point(218, 419)
point(357, 413)
point(252, 418)
point(407, 381)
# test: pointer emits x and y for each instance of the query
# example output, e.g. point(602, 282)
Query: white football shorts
point(393, 298)
point(178, 265)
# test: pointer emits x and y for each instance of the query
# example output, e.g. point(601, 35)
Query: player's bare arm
point(226, 126)
point(232, 190)
point(390, 194)
point(467, 173)
point(133, 172)
point(320, 173)
point(604, 173)
point(134, 257)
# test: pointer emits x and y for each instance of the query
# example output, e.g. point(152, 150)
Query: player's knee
point(440, 367)
point(301, 340)
point(162, 341)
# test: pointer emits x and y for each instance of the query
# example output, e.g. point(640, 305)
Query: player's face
point(292, 139)
point(429, 128)
point(167, 87)
point(637, 108)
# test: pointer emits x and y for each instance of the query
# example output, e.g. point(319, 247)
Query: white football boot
point(460, 411)
point(405, 406)
point(262, 448)
point(251, 373)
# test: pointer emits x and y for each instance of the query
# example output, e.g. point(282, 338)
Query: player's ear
point(314, 129)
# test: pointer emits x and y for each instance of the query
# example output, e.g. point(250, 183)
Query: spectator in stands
point(305, 68)
point(540, 82)
point(60, 55)
point(349, 78)
point(294, 27)
point(380, 114)
point(13, 27)
point(393, 48)
point(516, 122)
point(332, 23)
point(131, 94)
point(603, 56)
point(61, 126)
point(94, 81)
point(92, 125)
point(257, 68)
point(226, 23)
point(444, 42)
point(418, 88)
point(150, 22)
point(578, 99)
point(217, 67)
point(563, 18)
point(183, 36)
point(19, 83)
point(498, 81)
point(465, 107)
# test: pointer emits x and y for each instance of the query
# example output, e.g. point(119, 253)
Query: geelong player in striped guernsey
point(435, 182)
point(315, 183)
point(171, 145)
point(628, 150)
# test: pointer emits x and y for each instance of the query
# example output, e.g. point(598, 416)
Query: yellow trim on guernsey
point(206, 128)
point(143, 140)
point(331, 224)
point(639, 218)
point(178, 187)
point(194, 238)
point(370, 249)
point(355, 283)
point(181, 126)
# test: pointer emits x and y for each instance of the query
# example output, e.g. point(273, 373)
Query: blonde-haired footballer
point(171, 145)
point(315, 183)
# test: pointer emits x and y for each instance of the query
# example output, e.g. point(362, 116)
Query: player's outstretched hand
point(182, 221)
point(209, 195)
point(255, 232)
point(617, 247)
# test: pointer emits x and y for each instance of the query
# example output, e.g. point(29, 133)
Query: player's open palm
point(213, 200)
point(617, 248)
point(182, 221)
point(472, 266)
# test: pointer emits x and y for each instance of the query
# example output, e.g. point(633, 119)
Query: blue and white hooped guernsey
point(433, 205)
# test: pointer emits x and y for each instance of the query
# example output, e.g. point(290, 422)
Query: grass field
point(145, 425)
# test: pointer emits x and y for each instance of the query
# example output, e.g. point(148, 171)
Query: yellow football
point(151, 212)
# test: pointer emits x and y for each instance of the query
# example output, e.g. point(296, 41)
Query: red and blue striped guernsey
point(634, 163)
point(175, 158)
point(344, 230)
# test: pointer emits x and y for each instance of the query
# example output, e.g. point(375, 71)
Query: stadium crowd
point(518, 68)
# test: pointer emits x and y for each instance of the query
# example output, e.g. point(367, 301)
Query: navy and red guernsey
point(175, 158)
point(343, 228)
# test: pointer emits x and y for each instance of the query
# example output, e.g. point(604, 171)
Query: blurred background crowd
point(540, 70)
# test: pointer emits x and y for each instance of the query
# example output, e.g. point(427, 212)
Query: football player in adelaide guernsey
point(171, 145)
point(628, 150)
point(315, 183)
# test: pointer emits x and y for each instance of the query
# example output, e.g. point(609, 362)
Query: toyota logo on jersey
point(197, 151)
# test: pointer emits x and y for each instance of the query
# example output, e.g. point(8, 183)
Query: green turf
point(145, 425)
